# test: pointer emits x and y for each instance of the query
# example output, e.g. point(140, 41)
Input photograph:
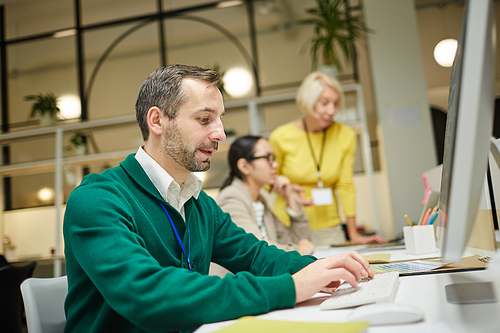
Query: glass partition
point(121, 44)
point(99, 11)
point(34, 17)
point(117, 60)
point(39, 66)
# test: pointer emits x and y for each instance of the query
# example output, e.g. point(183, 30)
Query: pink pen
point(426, 197)
point(426, 217)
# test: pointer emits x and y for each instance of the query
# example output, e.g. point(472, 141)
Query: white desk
point(396, 254)
point(426, 292)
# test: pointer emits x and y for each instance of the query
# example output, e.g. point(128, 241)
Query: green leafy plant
point(79, 139)
point(43, 104)
point(334, 29)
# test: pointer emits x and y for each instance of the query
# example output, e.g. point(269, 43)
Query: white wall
point(32, 231)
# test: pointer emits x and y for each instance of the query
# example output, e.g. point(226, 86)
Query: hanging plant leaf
point(334, 31)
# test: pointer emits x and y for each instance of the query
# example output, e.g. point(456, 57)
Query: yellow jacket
point(297, 164)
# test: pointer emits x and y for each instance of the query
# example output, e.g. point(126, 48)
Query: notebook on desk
point(433, 266)
point(471, 263)
point(408, 267)
point(254, 324)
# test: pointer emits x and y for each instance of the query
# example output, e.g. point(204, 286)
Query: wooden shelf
point(50, 165)
point(111, 122)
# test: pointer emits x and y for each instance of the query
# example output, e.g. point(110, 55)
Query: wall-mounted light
point(445, 51)
point(70, 106)
point(45, 195)
point(237, 82)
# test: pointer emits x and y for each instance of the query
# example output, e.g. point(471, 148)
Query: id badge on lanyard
point(321, 196)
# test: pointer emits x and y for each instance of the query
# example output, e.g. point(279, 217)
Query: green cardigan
point(126, 271)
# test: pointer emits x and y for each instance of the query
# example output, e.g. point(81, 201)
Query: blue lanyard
point(188, 256)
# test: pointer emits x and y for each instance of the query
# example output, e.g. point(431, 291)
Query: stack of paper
point(254, 324)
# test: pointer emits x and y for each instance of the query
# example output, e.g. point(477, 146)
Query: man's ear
point(155, 120)
point(243, 166)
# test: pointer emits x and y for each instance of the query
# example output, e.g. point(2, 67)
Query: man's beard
point(174, 146)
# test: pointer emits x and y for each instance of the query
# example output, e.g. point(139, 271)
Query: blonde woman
point(318, 153)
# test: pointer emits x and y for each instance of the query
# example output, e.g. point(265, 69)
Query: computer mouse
point(387, 314)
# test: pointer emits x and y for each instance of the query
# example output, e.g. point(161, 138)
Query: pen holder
point(419, 239)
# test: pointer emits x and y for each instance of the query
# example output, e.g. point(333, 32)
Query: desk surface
point(397, 254)
point(426, 292)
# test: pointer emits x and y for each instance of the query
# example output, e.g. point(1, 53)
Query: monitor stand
point(470, 293)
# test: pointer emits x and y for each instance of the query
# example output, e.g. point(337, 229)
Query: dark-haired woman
point(252, 165)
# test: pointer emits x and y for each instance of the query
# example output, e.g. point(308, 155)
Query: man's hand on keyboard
point(325, 274)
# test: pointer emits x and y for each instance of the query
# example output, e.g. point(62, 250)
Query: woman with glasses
point(318, 153)
point(252, 165)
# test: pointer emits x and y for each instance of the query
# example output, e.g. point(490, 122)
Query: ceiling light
point(237, 82)
point(445, 51)
point(70, 106)
point(45, 195)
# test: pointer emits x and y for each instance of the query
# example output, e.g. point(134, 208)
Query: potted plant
point(44, 107)
point(9, 248)
point(335, 31)
point(78, 144)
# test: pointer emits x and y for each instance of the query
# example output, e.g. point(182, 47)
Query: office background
point(121, 42)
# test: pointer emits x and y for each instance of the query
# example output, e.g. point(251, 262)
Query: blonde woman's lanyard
point(320, 196)
point(322, 150)
point(188, 256)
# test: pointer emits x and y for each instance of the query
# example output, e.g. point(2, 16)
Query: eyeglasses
point(269, 157)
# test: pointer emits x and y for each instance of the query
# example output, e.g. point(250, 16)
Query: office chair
point(3, 261)
point(11, 304)
point(44, 304)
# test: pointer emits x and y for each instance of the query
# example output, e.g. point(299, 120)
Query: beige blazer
point(235, 199)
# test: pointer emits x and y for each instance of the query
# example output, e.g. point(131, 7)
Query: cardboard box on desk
point(419, 239)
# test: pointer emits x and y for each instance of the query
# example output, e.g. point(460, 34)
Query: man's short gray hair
point(163, 89)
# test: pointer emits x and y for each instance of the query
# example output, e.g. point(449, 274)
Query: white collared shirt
point(168, 188)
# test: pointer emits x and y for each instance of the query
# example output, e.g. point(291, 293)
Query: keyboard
point(377, 290)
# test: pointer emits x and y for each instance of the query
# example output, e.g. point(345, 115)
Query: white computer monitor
point(468, 128)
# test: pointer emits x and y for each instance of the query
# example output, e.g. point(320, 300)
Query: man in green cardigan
point(140, 237)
